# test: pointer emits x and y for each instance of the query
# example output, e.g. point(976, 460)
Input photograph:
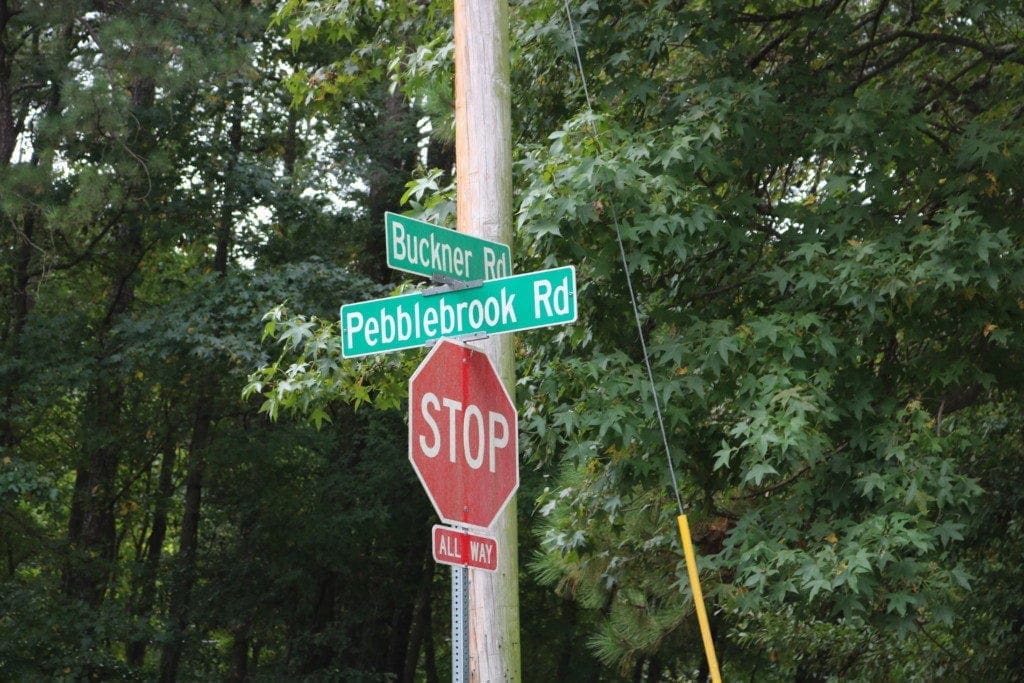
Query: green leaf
point(758, 472)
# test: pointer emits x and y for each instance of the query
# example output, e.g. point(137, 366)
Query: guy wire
point(625, 269)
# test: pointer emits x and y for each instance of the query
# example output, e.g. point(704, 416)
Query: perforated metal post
point(460, 625)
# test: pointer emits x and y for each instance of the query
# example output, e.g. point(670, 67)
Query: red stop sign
point(463, 435)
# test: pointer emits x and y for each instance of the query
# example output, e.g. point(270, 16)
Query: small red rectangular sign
point(453, 546)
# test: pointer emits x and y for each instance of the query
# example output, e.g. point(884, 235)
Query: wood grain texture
point(483, 171)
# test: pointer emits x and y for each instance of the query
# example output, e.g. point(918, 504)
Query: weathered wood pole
point(483, 171)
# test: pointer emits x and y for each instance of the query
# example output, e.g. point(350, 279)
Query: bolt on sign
point(463, 435)
point(509, 304)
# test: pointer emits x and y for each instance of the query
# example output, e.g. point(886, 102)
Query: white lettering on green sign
point(425, 318)
point(426, 249)
point(438, 257)
point(520, 302)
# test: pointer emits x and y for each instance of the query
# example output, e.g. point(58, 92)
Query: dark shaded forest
point(820, 207)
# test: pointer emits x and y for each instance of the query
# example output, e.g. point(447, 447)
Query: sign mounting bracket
point(446, 284)
point(464, 339)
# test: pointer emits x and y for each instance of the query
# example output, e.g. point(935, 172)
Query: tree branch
point(774, 487)
point(992, 52)
point(750, 18)
point(762, 54)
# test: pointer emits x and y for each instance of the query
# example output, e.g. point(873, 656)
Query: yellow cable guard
point(698, 598)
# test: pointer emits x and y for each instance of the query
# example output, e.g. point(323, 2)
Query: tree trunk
point(135, 651)
point(654, 670)
point(239, 670)
point(429, 652)
point(402, 616)
point(8, 134)
point(202, 435)
point(92, 532)
point(20, 299)
point(20, 305)
point(563, 660)
point(181, 591)
point(420, 620)
point(290, 152)
point(394, 156)
point(228, 200)
point(323, 614)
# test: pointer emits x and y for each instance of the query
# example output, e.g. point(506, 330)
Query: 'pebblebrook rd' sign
point(509, 304)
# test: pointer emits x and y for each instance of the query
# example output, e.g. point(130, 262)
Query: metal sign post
point(460, 624)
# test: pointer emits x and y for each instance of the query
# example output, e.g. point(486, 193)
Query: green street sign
point(424, 249)
point(509, 304)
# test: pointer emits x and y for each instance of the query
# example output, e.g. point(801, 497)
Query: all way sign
point(426, 249)
point(455, 547)
point(509, 304)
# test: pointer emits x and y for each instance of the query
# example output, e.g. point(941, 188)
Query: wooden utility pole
point(483, 171)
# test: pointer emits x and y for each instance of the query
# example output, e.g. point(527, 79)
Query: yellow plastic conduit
point(698, 598)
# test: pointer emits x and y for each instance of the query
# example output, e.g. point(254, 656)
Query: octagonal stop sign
point(463, 435)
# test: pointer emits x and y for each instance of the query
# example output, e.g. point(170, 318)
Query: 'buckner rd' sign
point(426, 249)
point(508, 304)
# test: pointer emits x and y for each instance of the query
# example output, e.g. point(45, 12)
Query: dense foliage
point(159, 192)
point(818, 208)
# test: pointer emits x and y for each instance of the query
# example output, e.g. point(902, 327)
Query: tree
point(817, 211)
point(158, 190)
point(820, 213)
point(815, 206)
